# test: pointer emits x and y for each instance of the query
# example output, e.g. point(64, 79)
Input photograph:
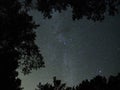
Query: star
point(100, 71)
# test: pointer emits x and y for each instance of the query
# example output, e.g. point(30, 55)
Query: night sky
point(75, 50)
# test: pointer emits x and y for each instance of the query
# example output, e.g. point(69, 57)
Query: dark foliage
point(97, 83)
point(91, 9)
point(8, 75)
point(57, 85)
point(17, 35)
point(17, 46)
point(114, 82)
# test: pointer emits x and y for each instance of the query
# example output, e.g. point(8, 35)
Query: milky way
point(75, 50)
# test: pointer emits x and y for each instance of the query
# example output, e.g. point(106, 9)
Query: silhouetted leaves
point(57, 85)
point(91, 9)
point(17, 44)
point(17, 33)
point(97, 83)
point(114, 82)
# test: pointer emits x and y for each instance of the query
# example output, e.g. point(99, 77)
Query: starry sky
point(75, 50)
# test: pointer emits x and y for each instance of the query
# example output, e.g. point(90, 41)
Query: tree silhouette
point(57, 85)
point(8, 76)
point(114, 82)
point(17, 46)
point(97, 83)
point(17, 34)
point(85, 85)
point(44, 87)
point(91, 9)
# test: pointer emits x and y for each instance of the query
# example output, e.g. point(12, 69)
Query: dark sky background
point(75, 50)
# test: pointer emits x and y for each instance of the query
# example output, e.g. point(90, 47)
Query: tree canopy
point(17, 34)
point(97, 83)
point(17, 44)
point(91, 9)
